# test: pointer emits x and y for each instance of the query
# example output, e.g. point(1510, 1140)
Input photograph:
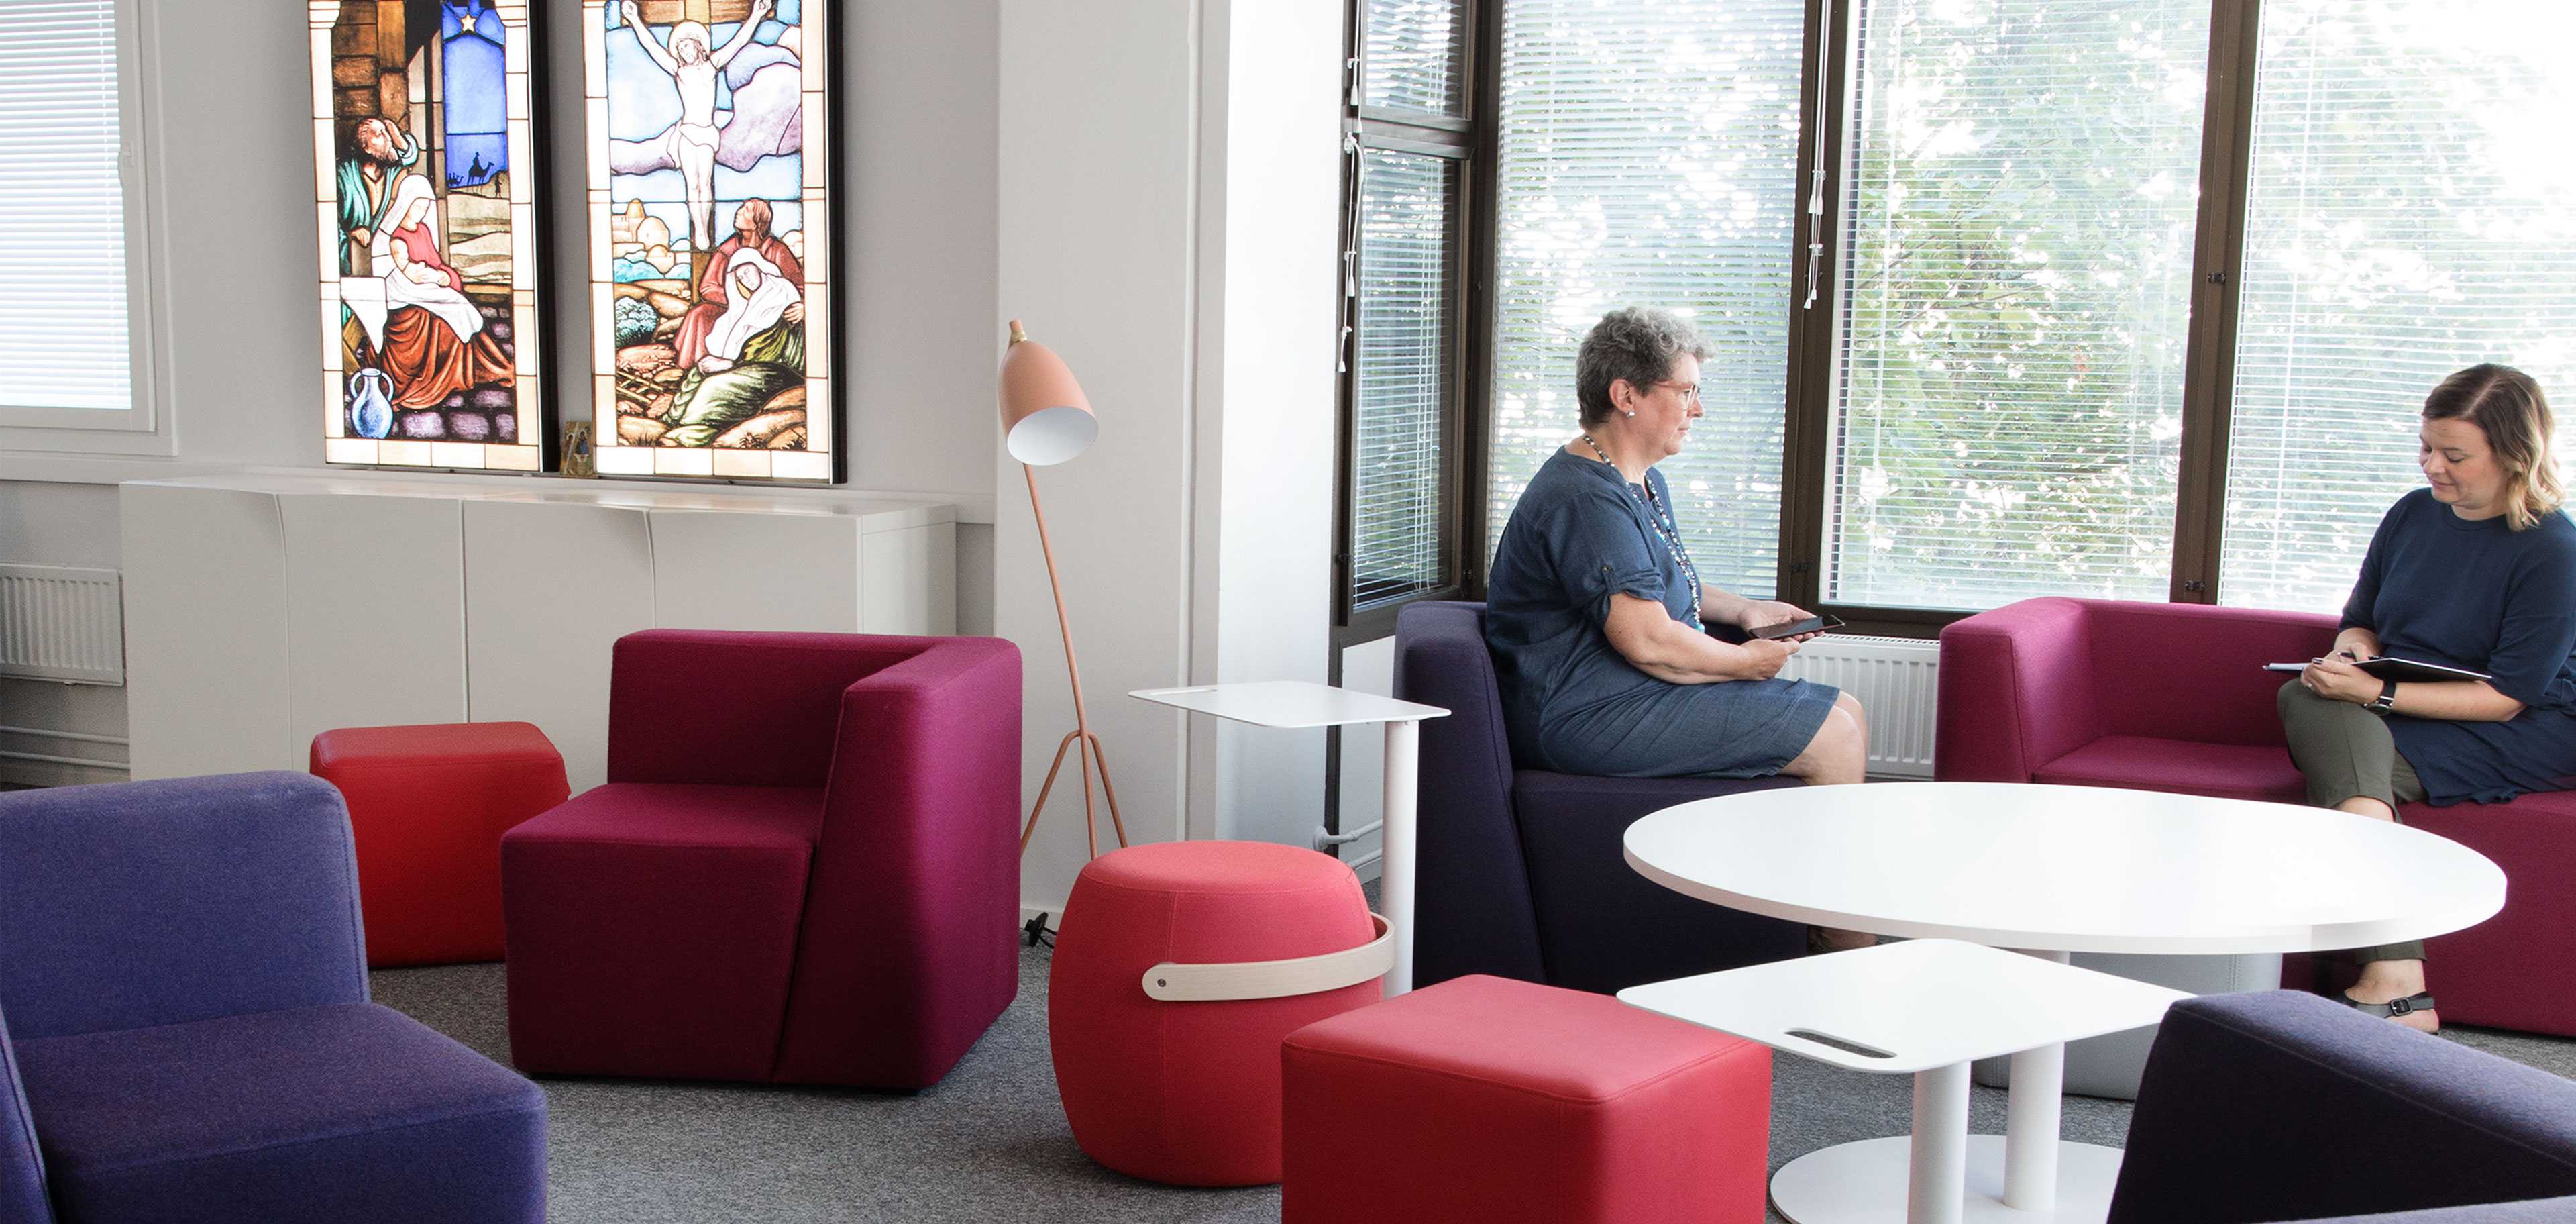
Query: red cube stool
point(427, 807)
point(1178, 969)
point(1493, 1100)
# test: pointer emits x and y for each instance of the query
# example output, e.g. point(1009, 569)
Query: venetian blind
point(2411, 212)
point(62, 209)
point(1408, 242)
point(1649, 157)
point(1415, 56)
point(2016, 261)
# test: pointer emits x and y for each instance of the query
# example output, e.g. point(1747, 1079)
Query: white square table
point(1928, 1007)
point(1300, 704)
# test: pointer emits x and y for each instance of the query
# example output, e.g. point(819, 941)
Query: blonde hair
point(2507, 404)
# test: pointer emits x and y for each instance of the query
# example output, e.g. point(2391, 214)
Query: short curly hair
point(1636, 344)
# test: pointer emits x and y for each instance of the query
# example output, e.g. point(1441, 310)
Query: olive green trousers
point(2346, 752)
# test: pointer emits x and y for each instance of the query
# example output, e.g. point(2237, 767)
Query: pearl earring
point(1632, 412)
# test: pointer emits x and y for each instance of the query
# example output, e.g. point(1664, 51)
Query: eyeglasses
point(1690, 391)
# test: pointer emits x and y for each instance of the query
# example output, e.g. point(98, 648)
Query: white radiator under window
point(1894, 678)
point(61, 623)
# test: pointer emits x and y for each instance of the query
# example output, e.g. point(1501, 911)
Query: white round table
point(2052, 870)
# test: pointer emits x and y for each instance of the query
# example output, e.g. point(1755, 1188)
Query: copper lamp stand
point(1046, 420)
point(1081, 718)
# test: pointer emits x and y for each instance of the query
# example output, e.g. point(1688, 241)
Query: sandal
point(2422, 1001)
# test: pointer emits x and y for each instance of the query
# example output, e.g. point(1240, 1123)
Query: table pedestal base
point(1864, 1183)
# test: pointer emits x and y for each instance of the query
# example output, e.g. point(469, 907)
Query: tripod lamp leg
point(1049, 785)
point(1106, 789)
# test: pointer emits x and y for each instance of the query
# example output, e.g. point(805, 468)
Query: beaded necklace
point(1658, 515)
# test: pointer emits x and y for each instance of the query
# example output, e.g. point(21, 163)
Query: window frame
point(1469, 140)
point(142, 427)
point(1815, 331)
point(2210, 343)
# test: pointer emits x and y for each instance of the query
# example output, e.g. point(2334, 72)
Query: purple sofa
point(1521, 873)
point(185, 1033)
point(804, 867)
point(2170, 697)
point(2280, 1106)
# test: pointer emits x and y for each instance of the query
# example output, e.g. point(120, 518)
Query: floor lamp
point(1045, 421)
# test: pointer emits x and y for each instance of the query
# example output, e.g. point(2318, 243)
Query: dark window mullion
point(2210, 364)
point(1812, 332)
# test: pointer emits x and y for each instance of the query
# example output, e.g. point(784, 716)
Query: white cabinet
point(261, 609)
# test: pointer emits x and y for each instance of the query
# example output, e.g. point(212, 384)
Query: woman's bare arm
point(2453, 700)
point(1646, 635)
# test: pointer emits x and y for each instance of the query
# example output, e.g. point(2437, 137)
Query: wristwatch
point(2386, 700)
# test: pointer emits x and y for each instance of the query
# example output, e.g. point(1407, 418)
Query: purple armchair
point(1522, 873)
point(2282, 1106)
point(2169, 697)
point(188, 1037)
point(804, 867)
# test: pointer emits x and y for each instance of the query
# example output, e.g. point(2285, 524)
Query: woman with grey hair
point(1598, 621)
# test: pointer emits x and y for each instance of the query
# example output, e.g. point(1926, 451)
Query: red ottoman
point(1490, 1100)
point(427, 807)
point(1184, 1089)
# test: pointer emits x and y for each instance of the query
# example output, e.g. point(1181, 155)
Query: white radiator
point(61, 623)
point(1894, 680)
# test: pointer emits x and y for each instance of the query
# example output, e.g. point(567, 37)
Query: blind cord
point(1816, 193)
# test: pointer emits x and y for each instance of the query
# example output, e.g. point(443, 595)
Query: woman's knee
point(1839, 750)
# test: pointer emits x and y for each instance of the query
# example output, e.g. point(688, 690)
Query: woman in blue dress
point(2477, 570)
point(1597, 619)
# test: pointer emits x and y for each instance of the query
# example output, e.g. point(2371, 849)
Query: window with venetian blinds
point(1407, 244)
point(63, 287)
point(2020, 199)
point(1648, 156)
point(2411, 211)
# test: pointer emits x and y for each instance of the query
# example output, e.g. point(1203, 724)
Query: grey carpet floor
point(990, 1144)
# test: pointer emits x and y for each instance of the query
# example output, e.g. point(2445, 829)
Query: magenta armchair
point(2170, 697)
point(803, 868)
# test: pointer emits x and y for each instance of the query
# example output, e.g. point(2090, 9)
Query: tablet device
point(2403, 671)
point(1813, 624)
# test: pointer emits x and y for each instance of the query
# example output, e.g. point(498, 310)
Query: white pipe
point(82, 737)
point(1324, 838)
point(50, 759)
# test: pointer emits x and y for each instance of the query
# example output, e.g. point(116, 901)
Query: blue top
point(2479, 595)
point(1579, 534)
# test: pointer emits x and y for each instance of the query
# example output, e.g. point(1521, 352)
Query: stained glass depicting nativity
point(424, 217)
point(705, 125)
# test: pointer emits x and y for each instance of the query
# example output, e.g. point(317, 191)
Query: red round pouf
point(1188, 1093)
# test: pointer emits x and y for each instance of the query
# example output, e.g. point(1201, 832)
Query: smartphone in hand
point(1813, 624)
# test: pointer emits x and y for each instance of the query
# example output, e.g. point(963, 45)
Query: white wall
point(1168, 189)
point(1097, 222)
point(230, 158)
point(1270, 193)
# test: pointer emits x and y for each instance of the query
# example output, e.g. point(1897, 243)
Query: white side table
point(1929, 1007)
point(1299, 704)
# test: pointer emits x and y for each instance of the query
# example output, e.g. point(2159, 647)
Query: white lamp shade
point(1052, 435)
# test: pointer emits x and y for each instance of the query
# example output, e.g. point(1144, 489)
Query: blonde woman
point(2477, 570)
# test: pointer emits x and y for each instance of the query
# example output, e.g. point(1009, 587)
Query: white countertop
point(1290, 703)
point(884, 511)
